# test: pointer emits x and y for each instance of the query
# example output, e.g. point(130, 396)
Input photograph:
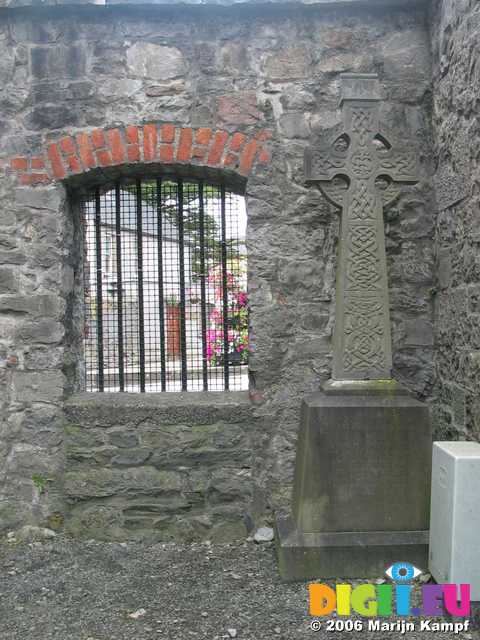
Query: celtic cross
point(361, 170)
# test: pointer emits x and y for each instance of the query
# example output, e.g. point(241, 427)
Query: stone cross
point(360, 170)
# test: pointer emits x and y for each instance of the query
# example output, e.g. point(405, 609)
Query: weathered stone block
point(233, 57)
point(8, 280)
point(341, 62)
point(227, 531)
point(121, 88)
point(339, 38)
point(294, 125)
point(239, 108)
point(148, 60)
point(418, 333)
point(79, 458)
point(52, 116)
point(444, 268)
point(97, 483)
point(122, 439)
point(406, 54)
point(45, 256)
point(288, 64)
point(77, 436)
point(12, 257)
point(36, 305)
point(194, 445)
point(26, 460)
point(58, 62)
point(44, 357)
point(44, 198)
point(159, 507)
point(131, 457)
point(96, 521)
point(165, 88)
point(46, 386)
point(227, 485)
point(43, 331)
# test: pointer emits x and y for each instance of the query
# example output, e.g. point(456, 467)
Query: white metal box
point(455, 515)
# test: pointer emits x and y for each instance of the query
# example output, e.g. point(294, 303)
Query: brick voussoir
point(184, 147)
point(149, 142)
point(162, 142)
point(56, 162)
point(116, 145)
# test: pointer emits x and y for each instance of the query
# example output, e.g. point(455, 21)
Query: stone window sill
point(190, 408)
point(180, 399)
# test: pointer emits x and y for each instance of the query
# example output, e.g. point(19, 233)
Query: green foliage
point(191, 219)
point(40, 482)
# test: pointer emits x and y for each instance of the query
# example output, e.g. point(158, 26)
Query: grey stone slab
point(362, 463)
point(304, 556)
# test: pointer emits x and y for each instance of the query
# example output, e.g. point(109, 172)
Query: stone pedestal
point(362, 483)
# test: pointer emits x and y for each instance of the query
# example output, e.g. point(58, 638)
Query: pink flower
point(242, 299)
point(216, 316)
point(213, 335)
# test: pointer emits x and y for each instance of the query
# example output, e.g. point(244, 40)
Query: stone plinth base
point(304, 556)
point(362, 483)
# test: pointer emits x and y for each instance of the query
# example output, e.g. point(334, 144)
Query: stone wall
point(158, 466)
point(88, 93)
point(456, 47)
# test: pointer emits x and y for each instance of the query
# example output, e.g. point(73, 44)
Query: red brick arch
point(153, 142)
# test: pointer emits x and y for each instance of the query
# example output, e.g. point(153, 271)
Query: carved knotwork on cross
point(360, 170)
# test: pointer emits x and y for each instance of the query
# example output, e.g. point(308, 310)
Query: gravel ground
point(70, 590)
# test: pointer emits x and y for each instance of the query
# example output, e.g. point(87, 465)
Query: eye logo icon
point(403, 572)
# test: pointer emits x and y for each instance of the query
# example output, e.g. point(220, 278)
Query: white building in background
point(170, 249)
point(129, 242)
point(170, 255)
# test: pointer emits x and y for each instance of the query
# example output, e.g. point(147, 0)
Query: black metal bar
point(203, 301)
point(98, 251)
point(141, 319)
point(87, 286)
point(161, 301)
point(224, 291)
point(118, 235)
point(181, 257)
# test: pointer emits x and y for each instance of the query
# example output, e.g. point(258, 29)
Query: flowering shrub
point(237, 301)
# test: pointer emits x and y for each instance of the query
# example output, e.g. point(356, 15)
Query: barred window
point(165, 285)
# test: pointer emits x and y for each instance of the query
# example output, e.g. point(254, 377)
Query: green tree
point(191, 219)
